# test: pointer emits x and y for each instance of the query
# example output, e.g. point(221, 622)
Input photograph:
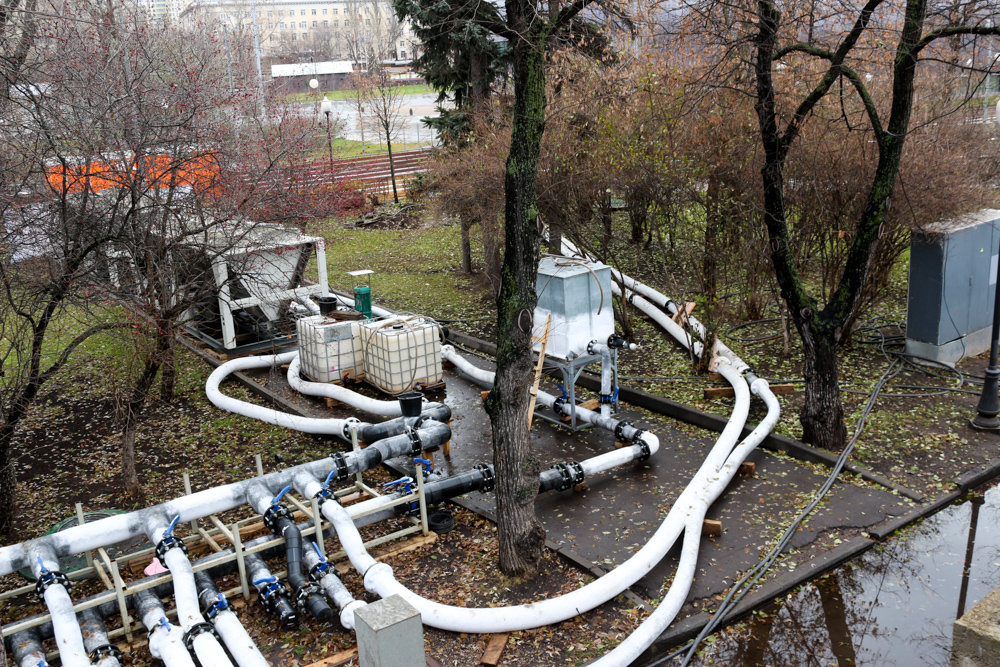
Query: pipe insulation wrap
point(656, 623)
point(335, 427)
point(545, 612)
point(26, 648)
point(166, 640)
point(95, 636)
point(69, 638)
point(345, 395)
point(205, 645)
point(241, 646)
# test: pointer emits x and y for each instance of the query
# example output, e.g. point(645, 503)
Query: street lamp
point(989, 405)
point(326, 108)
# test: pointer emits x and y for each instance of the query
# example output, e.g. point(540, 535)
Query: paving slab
point(620, 509)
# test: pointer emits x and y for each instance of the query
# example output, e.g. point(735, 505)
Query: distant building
point(311, 31)
point(164, 9)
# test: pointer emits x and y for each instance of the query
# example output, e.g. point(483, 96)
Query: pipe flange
point(194, 631)
point(348, 424)
point(639, 441)
point(489, 478)
point(416, 446)
point(606, 399)
point(620, 430)
point(557, 405)
point(319, 570)
point(273, 515)
point(165, 545)
point(570, 474)
point(218, 607)
point(51, 578)
point(303, 594)
point(271, 595)
point(590, 346)
point(106, 651)
point(340, 465)
point(616, 342)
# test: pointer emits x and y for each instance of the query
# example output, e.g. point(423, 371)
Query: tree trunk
point(392, 166)
point(521, 536)
point(168, 371)
point(8, 481)
point(130, 418)
point(492, 258)
point(835, 611)
point(710, 256)
point(466, 227)
point(822, 414)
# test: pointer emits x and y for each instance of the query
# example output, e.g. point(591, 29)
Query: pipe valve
point(220, 604)
point(616, 342)
point(170, 541)
point(318, 571)
point(48, 578)
point(276, 512)
point(107, 651)
point(427, 464)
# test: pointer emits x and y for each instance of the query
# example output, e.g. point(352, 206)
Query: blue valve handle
point(266, 580)
point(277, 498)
point(322, 558)
point(164, 623)
point(405, 481)
point(326, 482)
point(428, 466)
point(221, 603)
point(563, 390)
point(41, 565)
point(170, 529)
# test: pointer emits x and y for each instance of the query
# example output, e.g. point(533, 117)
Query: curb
point(884, 530)
point(710, 422)
point(978, 476)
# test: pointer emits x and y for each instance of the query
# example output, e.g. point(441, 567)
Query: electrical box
point(577, 295)
point(953, 275)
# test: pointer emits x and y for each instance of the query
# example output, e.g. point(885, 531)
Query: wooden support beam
point(680, 317)
point(491, 656)
point(538, 371)
point(339, 660)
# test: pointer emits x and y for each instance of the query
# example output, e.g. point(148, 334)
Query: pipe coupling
point(275, 514)
point(166, 544)
point(304, 593)
point(606, 399)
point(620, 429)
point(51, 578)
point(643, 446)
point(106, 651)
point(489, 478)
point(570, 474)
point(195, 631)
point(557, 405)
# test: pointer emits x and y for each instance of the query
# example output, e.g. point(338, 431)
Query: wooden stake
point(538, 371)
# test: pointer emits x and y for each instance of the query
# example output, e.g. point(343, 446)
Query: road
point(345, 113)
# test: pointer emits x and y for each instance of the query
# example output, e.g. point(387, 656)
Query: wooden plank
point(680, 317)
point(484, 394)
point(538, 371)
point(748, 468)
point(403, 547)
point(491, 656)
point(711, 528)
point(592, 404)
point(727, 392)
point(339, 660)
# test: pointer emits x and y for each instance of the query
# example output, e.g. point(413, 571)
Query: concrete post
point(976, 636)
point(390, 634)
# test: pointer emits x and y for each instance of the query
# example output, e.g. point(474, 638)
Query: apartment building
point(353, 30)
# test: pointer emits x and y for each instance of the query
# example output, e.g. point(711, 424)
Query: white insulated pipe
point(65, 627)
point(166, 640)
point(205, 645)
point(379, 578)
point(310, 305)
point(337, 427)
point(596, 347)
point(642, 637)
point(242, 647)
point(340, 393)
point(335, 590)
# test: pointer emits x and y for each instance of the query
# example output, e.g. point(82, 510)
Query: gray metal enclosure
point(953, 273)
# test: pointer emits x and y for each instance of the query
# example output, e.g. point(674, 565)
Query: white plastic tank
point(402, 353)
point(577, 295)
point(330, 350)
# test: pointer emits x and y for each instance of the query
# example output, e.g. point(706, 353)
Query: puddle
point(894, 605)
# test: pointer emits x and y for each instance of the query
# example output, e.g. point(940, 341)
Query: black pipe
point(307, 594)
point(427, 436)
point(25, 645)
point(375, 432)
point(273, 594)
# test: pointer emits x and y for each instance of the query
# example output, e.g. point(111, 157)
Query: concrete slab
point(976, 635)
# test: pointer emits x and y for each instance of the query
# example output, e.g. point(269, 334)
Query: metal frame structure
point(571, 370)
